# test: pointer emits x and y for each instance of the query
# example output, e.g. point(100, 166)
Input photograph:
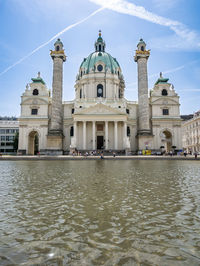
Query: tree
point(15, 142)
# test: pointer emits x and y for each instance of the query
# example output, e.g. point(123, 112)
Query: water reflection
point(100, 213)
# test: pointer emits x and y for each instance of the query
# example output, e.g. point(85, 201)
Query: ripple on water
point(100, 213)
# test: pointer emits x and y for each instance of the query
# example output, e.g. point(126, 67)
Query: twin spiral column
point(144, 130)
point(55, 133)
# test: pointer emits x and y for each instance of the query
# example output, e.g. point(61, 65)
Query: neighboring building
point(99, 118)
point(191, 133)
point(8, 130)
point(186, 117)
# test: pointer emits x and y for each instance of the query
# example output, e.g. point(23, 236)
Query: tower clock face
point(100, 67)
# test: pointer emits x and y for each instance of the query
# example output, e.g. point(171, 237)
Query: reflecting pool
point(103, 212)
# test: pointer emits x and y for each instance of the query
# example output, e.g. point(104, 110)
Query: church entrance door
point(33, 143)
point(167, 140)
point(99, 142)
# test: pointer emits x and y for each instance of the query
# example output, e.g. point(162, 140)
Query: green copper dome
point(161, 79)
point(99, 60)
point(93, 59)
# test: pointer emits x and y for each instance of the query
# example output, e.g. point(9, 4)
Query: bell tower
point(144, 130)
point(55, 133)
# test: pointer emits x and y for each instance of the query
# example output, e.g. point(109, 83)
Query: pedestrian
point(114, 154)
point(195, 155)
point(185, 153)
point(102, 155)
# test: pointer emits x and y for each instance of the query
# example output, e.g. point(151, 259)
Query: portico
point(93, 134)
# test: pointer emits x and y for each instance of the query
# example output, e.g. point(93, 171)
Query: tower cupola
point(100, 44)
point(141, 45)
point(58, 45)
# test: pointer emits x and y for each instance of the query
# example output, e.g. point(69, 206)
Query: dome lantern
point(100, 44)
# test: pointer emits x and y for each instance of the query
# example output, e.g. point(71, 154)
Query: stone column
point(116, 134)
point(55, 130)
point(75, 133)
point(125, 134)
point(106, 135)
point(56, 125)
point(84, 135)
point(141, 58)
point(93, 135)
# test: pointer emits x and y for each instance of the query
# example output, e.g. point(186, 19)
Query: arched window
point(57, 48)
point(71, 131)
point(100, 47)
point(80, 93)
point(35, 92)
point(142, 48)
point(100, 90)
point(164, 92)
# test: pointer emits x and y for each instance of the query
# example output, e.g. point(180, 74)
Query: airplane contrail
point(164, 72)
point(129, 8)
point(54, 37)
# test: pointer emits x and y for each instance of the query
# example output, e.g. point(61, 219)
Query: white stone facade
point(99, 118)
point(191, 134)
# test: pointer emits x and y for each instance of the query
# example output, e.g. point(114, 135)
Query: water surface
point(100, 212)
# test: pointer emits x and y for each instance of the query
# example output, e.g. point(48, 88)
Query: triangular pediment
point(165, 101)
point(35, 101)
point(100, 109)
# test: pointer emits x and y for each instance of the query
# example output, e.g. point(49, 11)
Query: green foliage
point(15, 142)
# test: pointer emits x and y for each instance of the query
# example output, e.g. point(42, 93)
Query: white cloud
point(125, 7)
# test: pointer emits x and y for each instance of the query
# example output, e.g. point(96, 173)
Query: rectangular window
point(2, 131)
point(9, 143)
point(9, 138)
point(127, 111)
point(165, 111)
point(34, 111)
point(3, 138)
point(72, 110)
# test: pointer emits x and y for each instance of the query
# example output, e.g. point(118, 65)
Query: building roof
point(38, 79)
point(100, 55)
point(110, 63)
point(161, 79)
point(187, 117)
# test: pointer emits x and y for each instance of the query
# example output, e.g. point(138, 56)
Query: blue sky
point(171, 29)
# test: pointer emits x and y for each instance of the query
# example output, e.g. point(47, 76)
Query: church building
point(100, 117)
